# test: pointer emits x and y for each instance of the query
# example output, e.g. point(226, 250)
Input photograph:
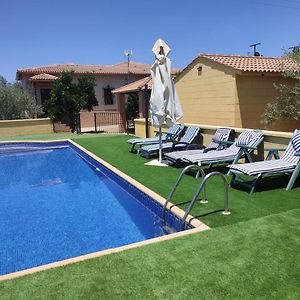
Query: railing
point(202, 187)
point(186, 169)
point(109, 122)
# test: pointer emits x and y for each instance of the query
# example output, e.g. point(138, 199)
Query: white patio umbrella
point(164, 102)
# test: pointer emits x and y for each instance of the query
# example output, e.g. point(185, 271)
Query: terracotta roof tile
point(134, 86)
point(43, 77)
point(253, 63)
point(56, 69)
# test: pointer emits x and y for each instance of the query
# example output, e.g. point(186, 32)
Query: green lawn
point(251, 254)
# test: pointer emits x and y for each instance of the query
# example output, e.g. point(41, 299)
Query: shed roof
point(252, 63)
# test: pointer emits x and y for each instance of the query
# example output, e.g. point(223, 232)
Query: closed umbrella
point(164, 101)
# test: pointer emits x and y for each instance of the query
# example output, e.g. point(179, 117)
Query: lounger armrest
point(178, 143)
point(169, 141)
point(247, 147)
point(194, 147)
point(224, 143)
point(171, 136)
point(209, 149)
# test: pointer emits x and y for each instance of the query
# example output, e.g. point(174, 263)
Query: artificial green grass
point(251, 254)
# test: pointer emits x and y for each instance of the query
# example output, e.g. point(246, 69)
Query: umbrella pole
point(160, 146)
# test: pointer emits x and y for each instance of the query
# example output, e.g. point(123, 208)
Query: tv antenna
point(296, 49)
point(128, 54)
point(255, 53)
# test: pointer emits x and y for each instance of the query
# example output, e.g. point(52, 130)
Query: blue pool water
point(58, 203)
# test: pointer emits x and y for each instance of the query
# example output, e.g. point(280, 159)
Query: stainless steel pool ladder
point(200, 189)
point(186, 169)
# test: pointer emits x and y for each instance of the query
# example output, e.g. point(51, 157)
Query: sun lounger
point(289, 163)
point(189, 136)
point(246, 142)
point(217, 143)
point(171, 134)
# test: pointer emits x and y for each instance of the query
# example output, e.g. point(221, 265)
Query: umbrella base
point(157, 163)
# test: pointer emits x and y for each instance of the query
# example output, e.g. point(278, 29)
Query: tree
point(15, 103)
point(132, 107)
point(85, 89)
point(68, 98)
point(3, 81)
point(287, 104)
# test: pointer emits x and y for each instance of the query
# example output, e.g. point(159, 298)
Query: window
point(199, 70)
point(45, 95)
point(108, 96)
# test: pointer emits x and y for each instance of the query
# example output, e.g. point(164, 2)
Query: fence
point(109, 122)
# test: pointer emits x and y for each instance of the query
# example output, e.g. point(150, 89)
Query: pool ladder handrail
point(201, 187)
point(198, 191)
point(188, 168)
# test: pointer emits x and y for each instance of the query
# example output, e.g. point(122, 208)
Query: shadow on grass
point(267, 184)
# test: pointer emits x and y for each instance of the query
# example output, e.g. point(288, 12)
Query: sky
point(37, 33)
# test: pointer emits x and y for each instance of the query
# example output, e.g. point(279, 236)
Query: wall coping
point(281, 134)
point(24, 120)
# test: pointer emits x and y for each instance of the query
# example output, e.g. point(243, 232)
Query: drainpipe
point(146, 99)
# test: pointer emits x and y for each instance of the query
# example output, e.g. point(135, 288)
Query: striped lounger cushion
point(221, 134)
point(188, 137)
point(164, 136)
point(286, 163)
point(261, 167)
point(246, 138)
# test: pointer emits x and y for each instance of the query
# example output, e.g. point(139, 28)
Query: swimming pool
point(57, 202)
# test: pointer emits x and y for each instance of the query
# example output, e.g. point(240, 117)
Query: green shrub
point(15, 103)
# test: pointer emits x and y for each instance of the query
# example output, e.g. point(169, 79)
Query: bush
point(67, 98)
point(287, 104)
point(15, 103)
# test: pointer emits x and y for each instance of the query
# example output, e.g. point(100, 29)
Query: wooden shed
point(231, 90)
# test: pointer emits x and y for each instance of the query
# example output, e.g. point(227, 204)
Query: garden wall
point(273, 139)
point(25, 127)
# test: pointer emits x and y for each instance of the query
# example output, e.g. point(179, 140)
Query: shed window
point(199, 70)
point(108, 96)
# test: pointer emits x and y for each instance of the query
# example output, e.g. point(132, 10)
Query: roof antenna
point(296, 49)
point(128, 53)
point(255, 53)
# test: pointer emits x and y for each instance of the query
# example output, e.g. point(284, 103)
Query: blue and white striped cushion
point(292, 148)
point(213, 155)
point(244, 138)
point(147, 140)
point(286, 163)
point(190, 134)
point(188, 137)
point(261, 167)
point(172, 131)
point(221, 134)
point(155, 147)
point(180, 154)
point(250, 136)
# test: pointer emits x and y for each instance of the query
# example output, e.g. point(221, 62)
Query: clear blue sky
point(34, 33)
